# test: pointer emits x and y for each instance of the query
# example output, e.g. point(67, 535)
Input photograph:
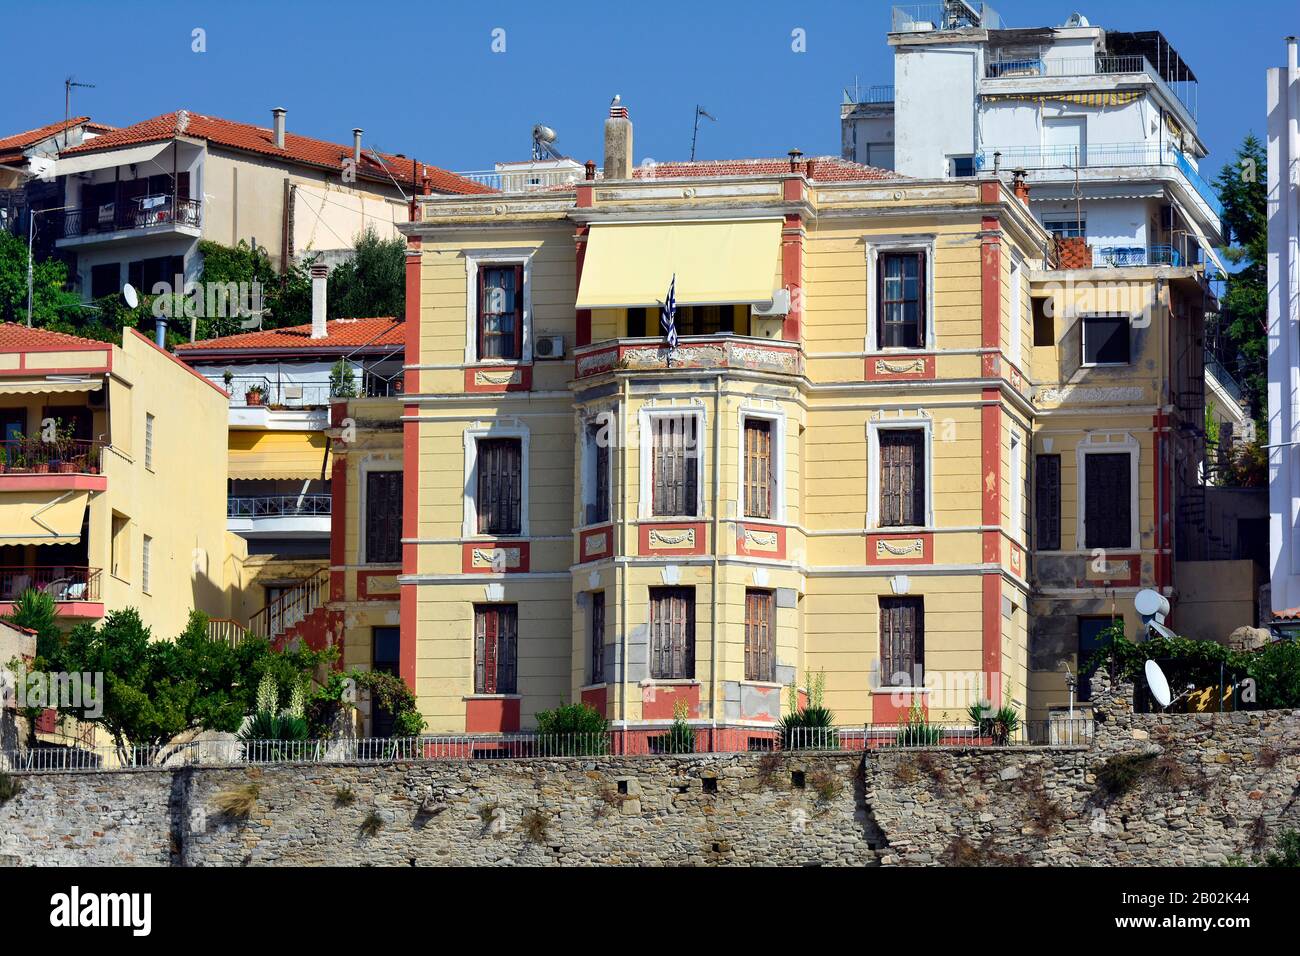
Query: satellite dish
point(129, 293)
point(1159, 684)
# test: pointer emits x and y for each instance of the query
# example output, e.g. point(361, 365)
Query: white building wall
point(934, 106)
point(1284, 332)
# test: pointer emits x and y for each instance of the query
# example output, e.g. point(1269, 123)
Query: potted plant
point(227, 376)
point(92, 459)
point(256, 395)
point(38, 455)
point(4, 459)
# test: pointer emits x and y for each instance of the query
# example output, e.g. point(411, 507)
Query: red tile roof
point(377, 333)
point(19, 338)
point(297, 149)
point(818, 168)
point(11, 147)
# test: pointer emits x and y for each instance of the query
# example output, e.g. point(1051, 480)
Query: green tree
point(1242, 187)
point(53, 305)
point(286, 297)
point(36, 611)
point(372, 282)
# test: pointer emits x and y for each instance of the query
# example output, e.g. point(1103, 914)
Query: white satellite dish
point(129, 293)
point(1159, 684)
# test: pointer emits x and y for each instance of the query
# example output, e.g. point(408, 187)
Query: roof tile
point(340, 333)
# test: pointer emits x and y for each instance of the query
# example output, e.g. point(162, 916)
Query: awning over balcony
point(42, 517)
point(275, 454)
point(1103, 98)
point(85, 162)
point(1201, 238)
point(629, 265)
point(44, 386)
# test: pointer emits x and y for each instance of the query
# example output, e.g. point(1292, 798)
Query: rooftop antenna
point(68, 85)
point(699, 111)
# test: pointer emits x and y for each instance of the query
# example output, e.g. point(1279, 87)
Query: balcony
point(1119, 256)
point(524, 178)
point(283, 516)
point(33, 463)
point(69, 586)
point(881, 94)
point(693, 352)
point(951, 15)
point(1185, 93)
point(144, 216)
point(1069, 158)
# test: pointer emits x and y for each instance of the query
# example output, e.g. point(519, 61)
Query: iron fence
point(640, 742)
point(141, 213)
point(61, 582)
point(278, 506)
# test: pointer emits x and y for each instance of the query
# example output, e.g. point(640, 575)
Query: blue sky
point(423, 80)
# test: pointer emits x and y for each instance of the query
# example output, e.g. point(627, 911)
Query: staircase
point(297, 618)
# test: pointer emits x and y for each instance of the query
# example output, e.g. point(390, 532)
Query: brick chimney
point(1020, 186)
point(277, 126)
point(618, 142)
point(319, 281)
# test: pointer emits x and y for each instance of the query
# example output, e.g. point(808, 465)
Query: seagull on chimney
point(616, 100)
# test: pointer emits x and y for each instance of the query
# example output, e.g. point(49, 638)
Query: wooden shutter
point(902, 477)
point(597, 636)
point(1108, 509)
point(496, 629)
point(383, 517)
point(598, 511)
point(672, 633)
point(674, 480)
point(759, 481)
point(760, 636)
point(500, 486)
point(1047, 503)
point(902, 638)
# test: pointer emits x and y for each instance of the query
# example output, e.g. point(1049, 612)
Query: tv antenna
point(544, 143)
point(68, 84)
point(695, 133)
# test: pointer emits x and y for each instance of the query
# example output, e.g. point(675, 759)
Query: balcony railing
point(951, 15)
point(61, 582)
point(1156, 255)
point(866, 95)
point(34, 456)
point(521, 179)
point(143, 213)
point(692, 352)
point(278, 506)
point(1108, 154)
point(1185, 92)
point(254, 391)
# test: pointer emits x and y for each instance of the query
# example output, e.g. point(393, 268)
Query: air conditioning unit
point(549, 347)
point(780, 304)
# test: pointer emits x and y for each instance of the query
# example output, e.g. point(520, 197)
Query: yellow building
point(832, 473)
point(112, 480)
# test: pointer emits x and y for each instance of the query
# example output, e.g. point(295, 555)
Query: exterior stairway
point(300, 617)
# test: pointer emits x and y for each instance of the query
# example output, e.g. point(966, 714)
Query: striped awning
point(1109, 98)
point(42, 517)
point(45, 386)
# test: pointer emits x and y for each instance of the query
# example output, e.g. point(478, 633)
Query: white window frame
point(146, 556)
point(366, 468)
point(1017, 317)
point(1083, 343)
point(476, 259)
point(148, 441)
point(873, 469)
point(645, 506)
point(1100, 444)
point(874, 246)
point(588, 474)
point(1017, 496)
point(469, 527)
point(777, 419)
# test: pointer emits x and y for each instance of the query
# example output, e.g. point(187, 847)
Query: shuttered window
point(500, 312)
point(760, 636)
point(900, 300)
point(496, 638)
point(1047, 502)
point(672, 633)
point(500, 485)
point(1108, 505)
point(597, 636)
point(598, 446)
point(674, 465)
point(760, 473)
point(383, 517)
point(902, 640)
point(902, 477)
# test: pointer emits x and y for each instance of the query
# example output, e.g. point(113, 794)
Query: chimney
point(1292, 57)
point(589, 170)
point(618, 142)
point(319, 278)
point(356, 144)
point(1019, 186)
point(794, 155)
point(277, 126)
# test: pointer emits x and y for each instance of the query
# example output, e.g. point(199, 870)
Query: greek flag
point(668, 313)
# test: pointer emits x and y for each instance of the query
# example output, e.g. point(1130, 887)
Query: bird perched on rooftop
point(616, 100)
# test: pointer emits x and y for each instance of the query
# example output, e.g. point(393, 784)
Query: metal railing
point(1183, 91)
point(290, 607)
point(1224, 378)
point(278, 506)
point(877, 93)
point(639, 742)
point(518, 179)
point(61, 582)
point(1153, 255)
point(251, 391)
point(143, 213)
point(1108, 154)
point(952, 15)
point(35, 456)
point(226, 631)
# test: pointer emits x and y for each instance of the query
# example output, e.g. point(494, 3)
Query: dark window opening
point(900, 308)
point(1047, 502)
point(1044, 326)
point(500, 486)
point(1106, 340)
point(105, 279)
point(1090, 641)
point(1108, 506)
point(597, 637)
point(385, 658)
point(383, 517)
point(500, 312)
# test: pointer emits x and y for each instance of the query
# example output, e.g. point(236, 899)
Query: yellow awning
point(42, 517)
point(41, 386)
point(273, 454)
point(628, 265)
point(1109, 98)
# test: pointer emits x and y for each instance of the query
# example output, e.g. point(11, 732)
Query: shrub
point(372, 824)
point(391, 693)
point(680, 738)
point(238, 802)
point(998, 725)
point(916, 730)
point(536, 826)
point(344, 797)
point(1121, 773)
point(826, 785)
point(576, 729)
point(812, 728)
point(1286, 850)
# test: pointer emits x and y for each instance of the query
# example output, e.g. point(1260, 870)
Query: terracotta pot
point(254, 398)
point(42, 469)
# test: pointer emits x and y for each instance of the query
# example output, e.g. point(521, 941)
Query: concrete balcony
point(279, 516)
point(700, 352)
point(153, 217)
point(75, 590)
